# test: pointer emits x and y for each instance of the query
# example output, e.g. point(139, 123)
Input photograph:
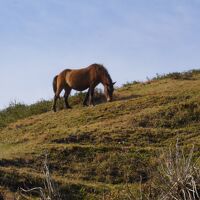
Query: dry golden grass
point(91, 150)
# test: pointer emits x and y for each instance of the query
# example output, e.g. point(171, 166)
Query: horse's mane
point(103, 69)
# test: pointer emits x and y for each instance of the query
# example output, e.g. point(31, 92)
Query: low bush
point(178, 75)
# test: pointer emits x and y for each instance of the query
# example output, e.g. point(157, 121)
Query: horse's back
point(75, 78)
point(91, 69)
point(80, 79)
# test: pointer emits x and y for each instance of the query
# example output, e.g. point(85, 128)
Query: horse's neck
point(105, 81)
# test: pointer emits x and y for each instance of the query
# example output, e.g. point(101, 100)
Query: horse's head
point(109, 89)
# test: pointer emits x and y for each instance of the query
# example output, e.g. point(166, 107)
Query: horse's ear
point(113, 83)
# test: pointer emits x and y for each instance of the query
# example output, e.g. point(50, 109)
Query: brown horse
point(82, 79)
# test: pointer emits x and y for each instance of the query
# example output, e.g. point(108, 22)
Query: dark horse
point(82, 79)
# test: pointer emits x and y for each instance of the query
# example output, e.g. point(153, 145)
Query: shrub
point(127, 84)
point(177, 178)
point(178, 75)
point(179, 175)
point(17, 111)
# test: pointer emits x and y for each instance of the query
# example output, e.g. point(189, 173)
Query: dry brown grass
point(90, 148)
point(180, 175)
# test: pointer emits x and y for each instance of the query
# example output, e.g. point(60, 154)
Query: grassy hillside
point(94, 151)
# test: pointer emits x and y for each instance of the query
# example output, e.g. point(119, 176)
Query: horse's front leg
point(86, 98)
point(91, 95)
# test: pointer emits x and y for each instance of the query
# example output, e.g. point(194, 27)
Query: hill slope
point(98, 149)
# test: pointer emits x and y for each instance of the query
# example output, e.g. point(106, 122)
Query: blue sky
point(134, 39)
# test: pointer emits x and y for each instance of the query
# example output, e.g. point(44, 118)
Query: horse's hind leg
point(54, 103)
point(67, 92)
point(57, 95)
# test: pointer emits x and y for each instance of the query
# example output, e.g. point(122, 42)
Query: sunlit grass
point(92, 149)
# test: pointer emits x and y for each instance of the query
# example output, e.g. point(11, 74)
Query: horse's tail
point(55, 84)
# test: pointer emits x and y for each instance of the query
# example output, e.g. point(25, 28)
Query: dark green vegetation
point(94, 151)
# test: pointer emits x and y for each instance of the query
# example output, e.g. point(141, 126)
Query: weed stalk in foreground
point(49, 191)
